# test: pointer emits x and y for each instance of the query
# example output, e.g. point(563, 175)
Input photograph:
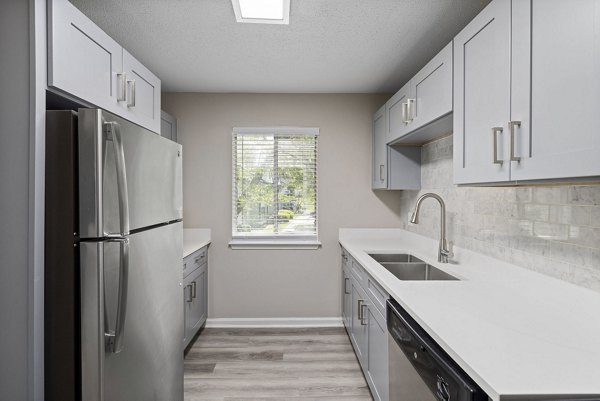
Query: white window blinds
point(275, 183)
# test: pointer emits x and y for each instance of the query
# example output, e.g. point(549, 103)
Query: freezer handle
point(114, 338)
point(113, 133)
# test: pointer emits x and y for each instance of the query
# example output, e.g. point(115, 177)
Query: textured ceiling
point(330, 46)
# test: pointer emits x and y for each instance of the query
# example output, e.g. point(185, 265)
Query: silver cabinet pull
point(360, 303)
point(381, 166)
point(362, 315)
point(131, 101)
point(404, 113)
point(511, 128)
point(346, 279)
point(495, 132)
point(193, 289)
point(409, 110)
point(121, 87)
point(113, 340)
point(190, 297)
point(113, 132)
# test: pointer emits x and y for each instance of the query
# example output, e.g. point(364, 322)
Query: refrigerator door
point(129, 177)
point(136, 280)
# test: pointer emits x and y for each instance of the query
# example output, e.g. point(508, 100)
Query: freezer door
point(129, 177)
point(136, 281)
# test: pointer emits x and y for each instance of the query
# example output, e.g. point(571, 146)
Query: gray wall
point(279, 283)
point(551, 229)
point(14, 210)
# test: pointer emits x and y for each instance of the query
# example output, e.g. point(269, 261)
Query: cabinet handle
point(495, 132)
point(360, 304)
point(409, 110)
point(190, 297)
point(511, 128)
point(362, 315)
point(346, 285)
point(193, 289)
point(121, 87)
point(132, 84)
point(404, 113)
point(381, 166)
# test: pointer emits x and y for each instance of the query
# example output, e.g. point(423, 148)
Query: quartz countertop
point(194, 239)
point(519, 334)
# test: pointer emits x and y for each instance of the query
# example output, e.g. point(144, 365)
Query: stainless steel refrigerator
point(113, 302)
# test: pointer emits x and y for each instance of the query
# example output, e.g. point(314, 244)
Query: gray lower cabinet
point(363, 314)
point(195, 293)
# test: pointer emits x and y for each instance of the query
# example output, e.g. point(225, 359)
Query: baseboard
point(292, 322)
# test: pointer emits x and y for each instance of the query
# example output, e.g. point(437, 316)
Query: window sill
point(273, 244)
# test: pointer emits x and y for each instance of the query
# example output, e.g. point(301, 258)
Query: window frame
point(276, 241)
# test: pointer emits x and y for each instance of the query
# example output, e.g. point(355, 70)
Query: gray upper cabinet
point(482, 96)
point(379, 170)
point(142, 93)
point(393, 167)
point(397, 110)
point(168, 126)
point(556, 82)
point(84, 62)
point(527, 91)
point(416, 112)
point(432, 91)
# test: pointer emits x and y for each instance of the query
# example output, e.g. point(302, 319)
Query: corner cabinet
point(527, 91)
point(86, 63)
point(393, 167)
point(195, 293)
point(363, 313)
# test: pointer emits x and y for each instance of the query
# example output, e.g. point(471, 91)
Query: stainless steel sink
point(409, 268)
point(395, 258)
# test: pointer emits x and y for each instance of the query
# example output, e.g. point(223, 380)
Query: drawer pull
point(190, 298)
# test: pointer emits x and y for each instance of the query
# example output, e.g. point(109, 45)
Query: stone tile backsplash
point(554, 230)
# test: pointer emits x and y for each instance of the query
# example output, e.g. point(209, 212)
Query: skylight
point(262, 11)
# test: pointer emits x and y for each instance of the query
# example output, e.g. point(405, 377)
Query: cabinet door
point(397, 114)
point(432, 88)
point(347, 299)
point(188, 307)
point(359, 327)
point(377, 354)
point(142, 94)
point(82, 60)
point(556, 70)
point(379, 167)
point(198, 312)
point(168, 126)
point(482, 96)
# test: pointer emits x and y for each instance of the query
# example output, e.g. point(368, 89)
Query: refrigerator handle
point(114, 339)
point(113, 132)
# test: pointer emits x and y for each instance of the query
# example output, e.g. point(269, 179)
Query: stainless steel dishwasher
point(419, 369)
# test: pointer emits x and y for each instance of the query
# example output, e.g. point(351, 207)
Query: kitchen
point(490, 105)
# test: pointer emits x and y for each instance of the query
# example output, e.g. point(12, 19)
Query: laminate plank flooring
point(273, 365)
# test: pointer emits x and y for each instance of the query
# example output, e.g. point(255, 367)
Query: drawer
point(195, 260)
point(377, 294)
point(358, 272)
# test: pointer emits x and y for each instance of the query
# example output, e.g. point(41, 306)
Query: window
point(274, 188)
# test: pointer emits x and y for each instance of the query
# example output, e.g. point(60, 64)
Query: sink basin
point(409, 268)
point(395, 258)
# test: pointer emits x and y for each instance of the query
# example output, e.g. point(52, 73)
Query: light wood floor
point(273, 365)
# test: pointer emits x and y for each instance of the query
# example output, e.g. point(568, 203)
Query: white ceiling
point(330, 46)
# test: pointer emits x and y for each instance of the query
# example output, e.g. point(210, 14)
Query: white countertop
point(194, 239)
point(519, 334)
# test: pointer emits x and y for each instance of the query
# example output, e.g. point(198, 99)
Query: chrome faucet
point(443, 251)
